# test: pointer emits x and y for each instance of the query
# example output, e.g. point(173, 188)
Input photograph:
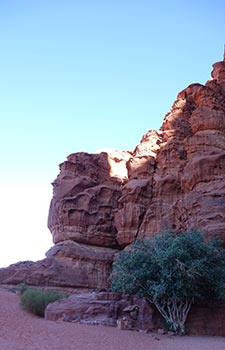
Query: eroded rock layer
point(104, 308)
point(173, 180)
point(131, 312)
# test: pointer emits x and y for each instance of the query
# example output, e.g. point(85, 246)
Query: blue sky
point(82, 76)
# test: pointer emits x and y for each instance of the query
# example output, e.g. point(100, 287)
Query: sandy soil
point(20, 330)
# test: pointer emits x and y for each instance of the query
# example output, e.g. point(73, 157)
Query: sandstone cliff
point(174, 179)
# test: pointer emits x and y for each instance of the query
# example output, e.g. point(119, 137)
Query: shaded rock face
point(134, 313)
point(124, 311)
point(206, 318)
point(173, 180)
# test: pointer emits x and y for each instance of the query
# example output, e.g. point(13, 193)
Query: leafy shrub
point(22, 287)
point(36, 300)
point(172, 271)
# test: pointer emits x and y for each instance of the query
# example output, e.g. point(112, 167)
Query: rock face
point(68, 264)
point(85, 195)
point(127, 312)
point(173, 180)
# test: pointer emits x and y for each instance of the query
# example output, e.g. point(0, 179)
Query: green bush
point(22, 287)
point(36, 300)
point(172, 271)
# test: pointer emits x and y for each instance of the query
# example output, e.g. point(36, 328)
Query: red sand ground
point(20, 330)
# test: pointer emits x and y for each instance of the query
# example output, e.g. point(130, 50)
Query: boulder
point(105, 308)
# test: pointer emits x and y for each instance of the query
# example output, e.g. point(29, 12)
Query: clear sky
point(82, 75)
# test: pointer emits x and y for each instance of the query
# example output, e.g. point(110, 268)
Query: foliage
point(36, 300)
point(22, 287)
point(172, 271)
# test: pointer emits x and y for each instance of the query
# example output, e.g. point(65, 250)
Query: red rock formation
point(104, 308)
point(68, 264)
point(174, 179)
point(131, 312)
point(186, 187)
point(86, 193)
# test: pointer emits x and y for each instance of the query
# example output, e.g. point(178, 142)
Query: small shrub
point(22, 287)
point(36, 300)
point(11, 290)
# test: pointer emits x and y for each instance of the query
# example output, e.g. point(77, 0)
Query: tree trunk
point(175, 312)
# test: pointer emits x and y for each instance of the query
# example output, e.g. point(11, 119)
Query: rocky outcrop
point(68, 264)
point(173, 180)
point(85, 195)
point(131, 312)
point(104, 308)
point(181, 168)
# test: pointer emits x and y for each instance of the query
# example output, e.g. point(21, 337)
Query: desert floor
point(20, 330)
